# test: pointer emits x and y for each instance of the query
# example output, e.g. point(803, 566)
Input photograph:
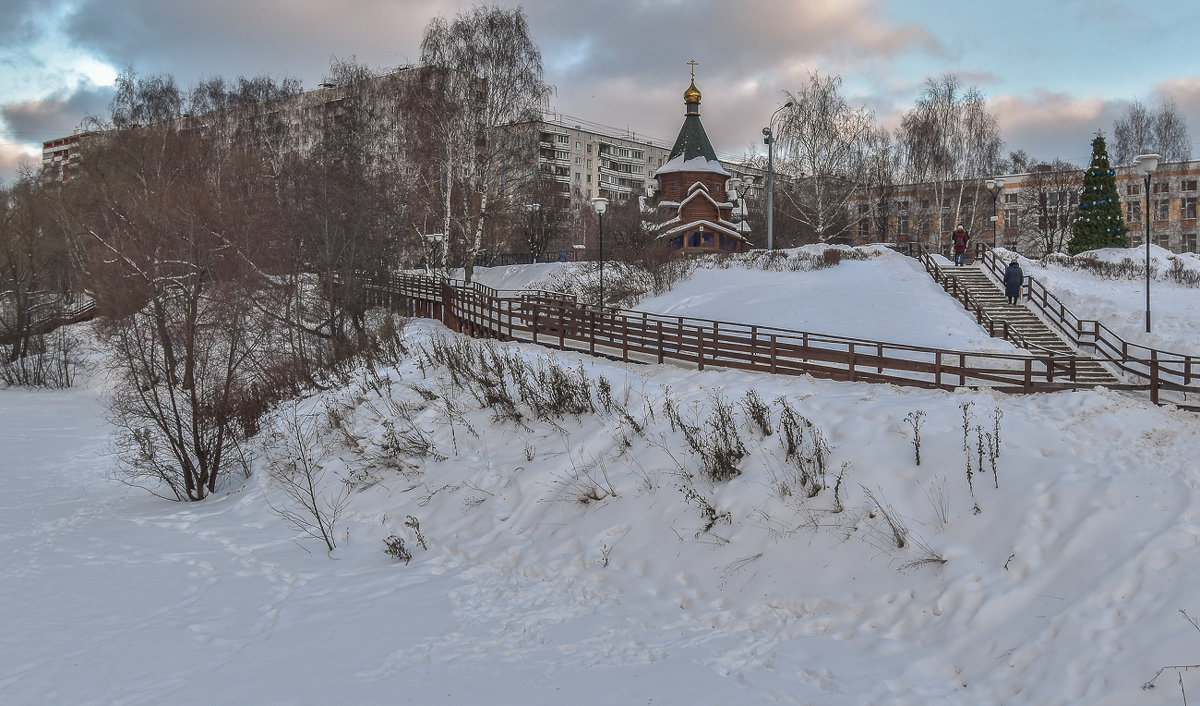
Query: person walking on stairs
point(1014, 278)
point(960, 239)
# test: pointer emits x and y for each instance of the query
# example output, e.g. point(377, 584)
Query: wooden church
point(695, 211)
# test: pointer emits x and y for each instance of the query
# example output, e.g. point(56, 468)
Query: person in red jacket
point(960, 239)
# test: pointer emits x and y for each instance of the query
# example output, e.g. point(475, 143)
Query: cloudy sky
point(1054, 71)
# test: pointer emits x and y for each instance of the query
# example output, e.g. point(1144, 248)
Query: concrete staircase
point(989, 294)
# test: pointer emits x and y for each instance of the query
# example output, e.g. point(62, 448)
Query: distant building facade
point(1033, 211)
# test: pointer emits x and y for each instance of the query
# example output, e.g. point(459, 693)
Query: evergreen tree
point(1098, 222)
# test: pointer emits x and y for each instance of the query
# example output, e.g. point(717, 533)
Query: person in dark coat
point(1013, 279)
point(960, 239)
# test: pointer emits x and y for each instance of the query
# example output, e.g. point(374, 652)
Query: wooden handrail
point(561, 321)
point(985, 320)
point(1160, 369)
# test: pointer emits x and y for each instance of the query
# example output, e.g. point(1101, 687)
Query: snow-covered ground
point(584, 561)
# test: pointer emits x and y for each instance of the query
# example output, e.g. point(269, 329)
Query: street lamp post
point(601, 205)
point(1146, 164)
point(769, 138)
point(994, 186)
point(532, 208)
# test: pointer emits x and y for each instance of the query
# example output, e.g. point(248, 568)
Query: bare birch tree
point(491, 72)
point(1141, 130)
point(950, 142)
point(828, 143)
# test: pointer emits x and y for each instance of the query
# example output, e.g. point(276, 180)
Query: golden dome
point(691, 95)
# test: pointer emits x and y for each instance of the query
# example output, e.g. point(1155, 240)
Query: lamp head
point(990, 184)
point(1146, 163)
point(600, 204)
point(767, 132)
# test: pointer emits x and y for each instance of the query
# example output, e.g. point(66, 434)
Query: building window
point(1160, 187)
point(579, 160)
point(1188, 242)
point(563, 139)
point(1010, 198)
point(902, 225)
point(1162, 209)
point(577, 145)
point(589, 178)
point(864, 228)
point(901, 205)
point(1010, 218)
point(1188, 185)
point(1134, 209)
point(1187, 208)
point(1132, 190)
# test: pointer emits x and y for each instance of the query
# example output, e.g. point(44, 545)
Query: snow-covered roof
point(695, 164)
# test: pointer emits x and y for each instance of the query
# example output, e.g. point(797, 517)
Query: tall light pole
point(601, 205)
point(769, 138)
point(532, 209)
point(994, 186)
point(1145, 165)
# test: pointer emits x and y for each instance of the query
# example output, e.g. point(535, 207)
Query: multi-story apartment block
point(588, 160)
point(60, 155)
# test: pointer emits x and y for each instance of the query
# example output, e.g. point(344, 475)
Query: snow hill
point(583, 557)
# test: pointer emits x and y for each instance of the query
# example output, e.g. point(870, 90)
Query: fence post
point(1154, 375)
point(660, 341)
point(700, 347)
point(624, 339)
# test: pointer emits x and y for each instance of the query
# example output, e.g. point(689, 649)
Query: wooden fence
point(561, 321)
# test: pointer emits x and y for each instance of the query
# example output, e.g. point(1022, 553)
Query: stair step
point(986, 293)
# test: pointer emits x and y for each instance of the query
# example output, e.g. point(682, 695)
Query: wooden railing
point(562, 321)
point(47, 317)
point(1160, 370)
point(996, 328)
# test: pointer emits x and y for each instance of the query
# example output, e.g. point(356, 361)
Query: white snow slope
point(584, 560)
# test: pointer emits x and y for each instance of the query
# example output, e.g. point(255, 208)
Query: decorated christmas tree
point(1098, 221)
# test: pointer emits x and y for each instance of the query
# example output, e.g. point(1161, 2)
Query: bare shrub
point(394, 547)
point(707, 512)
point(805, 448)
point(296, 464)
point(914, 420)
point(757, 412)
point(48, 360)
point(895, 523)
